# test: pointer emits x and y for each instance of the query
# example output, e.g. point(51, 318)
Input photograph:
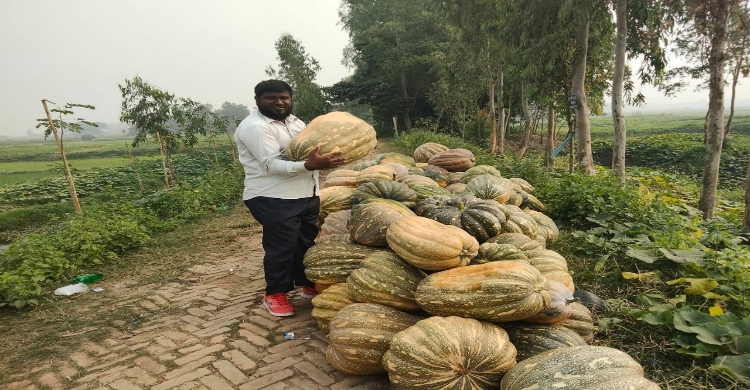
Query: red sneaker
point(308, 292)
point(278, 305)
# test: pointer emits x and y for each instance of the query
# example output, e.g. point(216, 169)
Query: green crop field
point(28, 171)
point(638, 125)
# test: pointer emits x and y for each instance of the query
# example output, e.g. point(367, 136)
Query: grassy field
point(28, 171)
point(639, 125)
point(46, 150)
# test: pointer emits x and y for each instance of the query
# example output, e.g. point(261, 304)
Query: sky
point(212, 51)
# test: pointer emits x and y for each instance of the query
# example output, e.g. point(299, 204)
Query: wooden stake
point(135, 168)
point(68, 174)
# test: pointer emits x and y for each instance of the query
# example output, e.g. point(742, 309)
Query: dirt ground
point(185, 313)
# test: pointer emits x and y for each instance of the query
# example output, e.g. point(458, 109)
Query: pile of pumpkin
point(435, 270)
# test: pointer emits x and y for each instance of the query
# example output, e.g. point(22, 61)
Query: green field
point(638, 125)
point(29, 171)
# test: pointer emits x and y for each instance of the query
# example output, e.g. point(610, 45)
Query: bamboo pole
point(135, 168)
point(68, 174)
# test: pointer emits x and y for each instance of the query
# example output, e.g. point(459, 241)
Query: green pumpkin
point(498, 252)
point(386, 189)
point(383, 158)
point(533, 339)
point(579, 368)
point(386, 279)
point(329, 302)
point(498, 291)
point(479, 170)
point(426, 191)
point(449, 353)
point(332, 261)
point(519, 240)
point(489, 187)
point(370, 220)
point(361, 333)
point(482, 219)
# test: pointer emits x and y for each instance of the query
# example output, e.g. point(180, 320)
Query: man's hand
point(316, 161)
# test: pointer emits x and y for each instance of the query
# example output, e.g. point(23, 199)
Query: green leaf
point(608, 323)
point(736, 366)
point(642, 255)
point(741, 344)
point(663, 318)
point(684, 256)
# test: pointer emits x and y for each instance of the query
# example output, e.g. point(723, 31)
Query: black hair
point(272, 86)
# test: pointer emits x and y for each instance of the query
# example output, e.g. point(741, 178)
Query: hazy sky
point(212, 51)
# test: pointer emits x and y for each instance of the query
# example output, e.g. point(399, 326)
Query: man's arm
point(262, 144)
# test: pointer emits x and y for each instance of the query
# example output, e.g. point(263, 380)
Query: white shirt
point(261, 142)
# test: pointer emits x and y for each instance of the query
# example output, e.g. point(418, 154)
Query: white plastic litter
point(72, 289)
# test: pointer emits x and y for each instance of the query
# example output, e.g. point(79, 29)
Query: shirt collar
point(290, 119)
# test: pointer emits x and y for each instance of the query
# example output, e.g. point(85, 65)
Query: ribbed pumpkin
point(333, 261)
point(423, 152)
point(415, 180)
point(533, 339)
point(454, 160)
point(383, 172)
point(329, 302)
point(579, 368)
point(335, 223)
point(489, 187)
point(480, 218)
point(456, 188)
point(498, 252)
point(559, 308)
point(519, 240)
point(439, 178)
point(449, 353)
point(581, 322)
point(426, 191)
point(361, 333)
point(552, 265)
point(385, 189)
point(334, 199)
point(455, 177)
point(369, 220)
point(360, 165)
point(334, 132)
point(334, 238)
point(417, 170)
point(386, 279)
point(531, 202)
point(429, 244)
point(522, 184)
point(516, 221)
point(341, 177)
point(436, 169)
point(592, 301)
point(383, 158)
point(497, 291)
point(546, 226)
point(516, 199)
point(478, 171)
point(400, 169)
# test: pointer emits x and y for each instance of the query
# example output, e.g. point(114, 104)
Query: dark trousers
point(289, 230)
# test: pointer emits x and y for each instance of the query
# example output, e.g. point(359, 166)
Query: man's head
point(274, 99)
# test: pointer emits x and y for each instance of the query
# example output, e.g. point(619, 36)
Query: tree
point(299, 69)
point(746, 218)
point(64, 123)
point(234, 111)
point(394, 49)
point(155, 113)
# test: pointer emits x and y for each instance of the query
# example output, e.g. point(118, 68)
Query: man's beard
point(274, 115)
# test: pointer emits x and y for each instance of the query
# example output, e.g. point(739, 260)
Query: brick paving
point(208, 331)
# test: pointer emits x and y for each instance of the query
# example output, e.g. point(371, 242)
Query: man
point(282, 195)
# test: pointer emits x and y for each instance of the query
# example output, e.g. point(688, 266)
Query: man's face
point(275, 105)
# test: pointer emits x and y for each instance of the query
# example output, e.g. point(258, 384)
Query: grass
point(28, 171)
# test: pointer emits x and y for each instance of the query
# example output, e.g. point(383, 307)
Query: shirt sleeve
point(264, 146)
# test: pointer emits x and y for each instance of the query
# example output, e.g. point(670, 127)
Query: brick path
point(209, 331)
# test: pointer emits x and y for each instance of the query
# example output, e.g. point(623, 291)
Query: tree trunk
point(715, 136)
point(493, 113)
point(583, 126)
point(407, 117)
point(501, 116)
point(527, 122)
point(162, 150)
point(68, 173)
point(550, 145)
point(735, 78)
point(746, 217)
point(618, 155)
